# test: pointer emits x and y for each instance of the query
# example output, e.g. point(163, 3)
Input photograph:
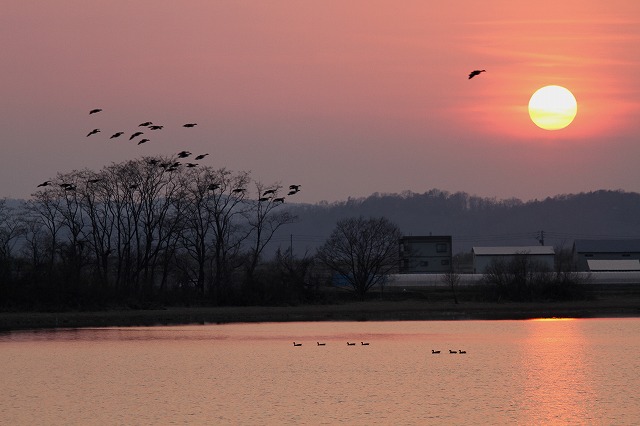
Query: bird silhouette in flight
point(293, 189)
point(143, 141)
point(263, 199)
point(68, 186)
point(213, 186)
point(95, 110)
point(183, 154)
point(156, 127)
point(116, 135)
point(268, 191)
point(45, 183)
point(474, 73)
point(145, 124)
point(191, 164)
point(278, 200)
point(190, 125)
point(238, 190)
point(93, 132)
point(201, 156)
point(135, 135)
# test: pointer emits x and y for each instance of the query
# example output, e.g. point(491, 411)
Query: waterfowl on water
point(297, 344)
point(434, 352)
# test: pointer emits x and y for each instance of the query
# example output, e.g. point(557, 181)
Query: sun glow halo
point(552, 107)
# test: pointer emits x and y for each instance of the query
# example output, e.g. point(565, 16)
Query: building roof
point(513, 250)
point(607, 246)
point(425, 237)
point(614, 265)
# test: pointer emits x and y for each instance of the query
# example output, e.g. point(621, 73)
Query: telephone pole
point(541, 238)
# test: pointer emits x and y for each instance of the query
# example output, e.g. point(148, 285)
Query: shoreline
point(405, 310)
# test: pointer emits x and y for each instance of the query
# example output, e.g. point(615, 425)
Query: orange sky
point(346, 98)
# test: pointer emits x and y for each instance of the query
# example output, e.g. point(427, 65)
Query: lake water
point(584, 371)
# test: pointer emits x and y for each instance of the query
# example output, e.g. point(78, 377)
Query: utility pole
point(541, 238)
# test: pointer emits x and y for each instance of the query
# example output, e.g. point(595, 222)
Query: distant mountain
point(475, 221)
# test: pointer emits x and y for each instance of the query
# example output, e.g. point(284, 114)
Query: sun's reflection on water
point(556, 370)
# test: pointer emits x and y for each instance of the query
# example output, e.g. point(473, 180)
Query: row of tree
point(150, 231)
point(135, 231)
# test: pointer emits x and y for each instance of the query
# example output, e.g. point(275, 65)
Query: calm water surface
point(583, 371)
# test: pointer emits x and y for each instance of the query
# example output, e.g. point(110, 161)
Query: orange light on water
point(552, 319)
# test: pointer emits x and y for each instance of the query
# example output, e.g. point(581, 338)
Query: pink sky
point(346, 98)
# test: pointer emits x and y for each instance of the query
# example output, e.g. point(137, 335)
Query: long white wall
point(437, 280)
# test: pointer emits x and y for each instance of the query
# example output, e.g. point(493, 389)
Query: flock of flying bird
point(147, 124)
point(267, 195)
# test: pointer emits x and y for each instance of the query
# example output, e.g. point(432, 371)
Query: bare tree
point(362, 251)
point(265, 216)
point(452, 279)
point(226, 211)
point(10, 229)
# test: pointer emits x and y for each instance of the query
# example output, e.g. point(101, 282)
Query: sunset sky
point(346, 98)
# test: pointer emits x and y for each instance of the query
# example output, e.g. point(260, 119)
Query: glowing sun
point(552, 107)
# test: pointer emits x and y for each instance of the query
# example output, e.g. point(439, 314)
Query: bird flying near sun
point(552, 107)
point(475, 72)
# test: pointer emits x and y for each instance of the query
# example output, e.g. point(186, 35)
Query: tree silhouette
point(362, 251)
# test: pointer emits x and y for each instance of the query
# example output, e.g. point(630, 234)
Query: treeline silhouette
point(148, 232)
point(144, 232)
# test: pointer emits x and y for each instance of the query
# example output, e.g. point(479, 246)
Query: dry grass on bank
point(612, 305)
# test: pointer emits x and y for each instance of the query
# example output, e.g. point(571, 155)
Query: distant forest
point(469, 219)
point(476, 221)
point(137, 234)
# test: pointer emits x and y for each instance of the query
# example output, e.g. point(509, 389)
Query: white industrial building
point(606, 249)
point(485, 256)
